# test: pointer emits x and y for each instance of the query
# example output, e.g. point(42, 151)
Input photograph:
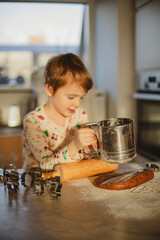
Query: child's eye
point(70, 97)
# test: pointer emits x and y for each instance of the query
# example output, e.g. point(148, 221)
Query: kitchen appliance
point(116, 140)
point(14, 117)
point(148, 114)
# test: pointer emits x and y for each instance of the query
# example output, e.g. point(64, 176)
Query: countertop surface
point(9, 131)
point(83, 211)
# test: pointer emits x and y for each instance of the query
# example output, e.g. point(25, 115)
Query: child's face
point(67, 98)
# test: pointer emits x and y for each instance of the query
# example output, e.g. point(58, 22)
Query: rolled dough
point(131, 182)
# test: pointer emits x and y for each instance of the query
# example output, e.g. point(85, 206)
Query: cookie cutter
point(152, 166)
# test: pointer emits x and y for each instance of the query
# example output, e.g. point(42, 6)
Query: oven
point(148, 114)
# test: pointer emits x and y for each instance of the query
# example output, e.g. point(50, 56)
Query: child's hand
point(90, 148)
point(84, 138)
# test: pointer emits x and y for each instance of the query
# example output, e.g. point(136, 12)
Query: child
point(52, 132)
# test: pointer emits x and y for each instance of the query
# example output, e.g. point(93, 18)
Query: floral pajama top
point(45, 143)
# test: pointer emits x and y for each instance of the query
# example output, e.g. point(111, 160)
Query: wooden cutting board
point(122, 180)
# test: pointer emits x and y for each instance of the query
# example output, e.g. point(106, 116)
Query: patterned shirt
point(45, 143)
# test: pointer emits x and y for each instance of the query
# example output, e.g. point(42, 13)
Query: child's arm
point(37, 146)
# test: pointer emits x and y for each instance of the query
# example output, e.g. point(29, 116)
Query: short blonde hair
point(58, 68)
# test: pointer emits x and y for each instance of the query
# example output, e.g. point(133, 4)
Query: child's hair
point(59, 68)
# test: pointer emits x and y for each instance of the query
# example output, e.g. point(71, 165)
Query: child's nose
point(77, 102)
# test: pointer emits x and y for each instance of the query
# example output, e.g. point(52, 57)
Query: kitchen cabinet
point(11, 151)
point(147, 35)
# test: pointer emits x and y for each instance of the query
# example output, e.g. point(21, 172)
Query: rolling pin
point(81, 169)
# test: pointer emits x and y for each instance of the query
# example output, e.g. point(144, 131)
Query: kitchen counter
point(10, 131)
point(83, 212)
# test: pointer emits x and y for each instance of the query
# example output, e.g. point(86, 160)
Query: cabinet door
point(11, 151)
point(148, 36)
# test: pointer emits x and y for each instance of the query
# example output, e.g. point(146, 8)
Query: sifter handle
point(91, 125)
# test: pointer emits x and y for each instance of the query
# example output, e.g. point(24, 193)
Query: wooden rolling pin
point(81, 169)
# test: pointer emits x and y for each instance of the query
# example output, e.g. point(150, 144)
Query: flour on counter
point(141, 202)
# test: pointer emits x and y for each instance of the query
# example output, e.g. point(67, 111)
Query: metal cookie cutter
point(55, 188)
point(153, 167)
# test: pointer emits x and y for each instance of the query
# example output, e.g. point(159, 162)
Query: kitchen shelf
point(7, 89)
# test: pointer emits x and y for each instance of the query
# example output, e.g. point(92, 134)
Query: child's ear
point(49, 90)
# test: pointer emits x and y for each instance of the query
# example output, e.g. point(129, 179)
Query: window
point(33, 32)
point(44, 23)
